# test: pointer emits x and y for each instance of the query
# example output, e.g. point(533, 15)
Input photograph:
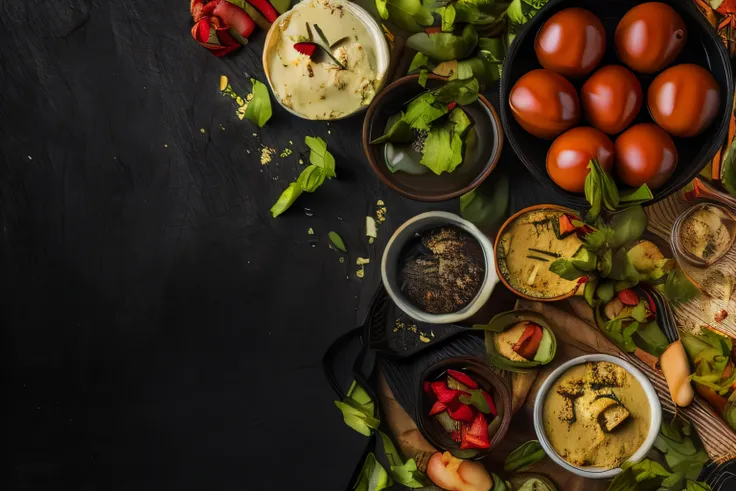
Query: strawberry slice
point(444, 393)
point(470, 441)
point(437, 408)
point(479, 428)
point(463, 378)
point(306, 48)
point(628, 297)
point(489, 401)
point(528, 343)
point(476, 434)
point(461, 412)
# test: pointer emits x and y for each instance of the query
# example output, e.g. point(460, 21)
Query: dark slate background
point(160, 329)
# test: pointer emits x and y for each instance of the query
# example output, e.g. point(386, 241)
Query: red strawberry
point(479, 428)
point(628, 297)
point(437, 408)
point(471, 441)
point(305, 48)
point(463, 378)
point(462, 413)
point(489, 401)
point(444, 393)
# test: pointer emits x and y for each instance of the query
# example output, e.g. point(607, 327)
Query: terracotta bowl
point(495, 252)
point(487, 379)
point(479, 160)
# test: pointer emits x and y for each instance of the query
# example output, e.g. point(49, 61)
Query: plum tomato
point(544, 103)
point(684, 99)
point(645, 154)
point(611, 98)
point(571, 42)
point(650, 36)
point(570, 153)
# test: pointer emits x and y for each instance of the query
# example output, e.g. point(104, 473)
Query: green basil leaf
point(678, 288)
point(628, 226)
point(605, 291)
point(486, 205)
point(442, 150)
point(584, 259)
point(589, 291)
point(423, 110)
point(420, 60)
point(697, 486)
point(593, 193)
point(258, 109)
point(397, 130)
point(500, 484)
point(311, 178)
point(448, 18)
point(373, 477)
point(651, 339)
point(636, 196)
point(319, 155)
point(639, 312)
point(621, 267)
point(445, 46)
point(337, 241)
point(423, 76)
point(563, 267)
point(682, 449)
point(523, 457)
point(287, 198)
point(463, 92)
point(728, 169)
point(381, 8)
point(644, 475)
point(599, 238)
point(460, 120)
point(409, 14)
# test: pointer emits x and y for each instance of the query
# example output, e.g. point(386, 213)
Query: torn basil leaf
point(258, 109)
point(373, 477)
point(463, 92)
point(423, 110)
point(397, 130)
point(287, 198)
point(628, 226)
point(564, 268)
point(408, 14)
point(319, 155)
point(525, 456)
point(337, 241)
point(445, 46)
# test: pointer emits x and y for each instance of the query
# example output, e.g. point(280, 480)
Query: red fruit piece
point(463, 378)
point(451, 106)
point(265, 8)
point(456, 435)
point(444, 393)
point(235, 18)
point(476, 434)
point(582, 279)
point(566, 226)
point(461, 412)
point(437, 408)
point(628, 297)
point(528, 343)
point(305, 48)
point(489, 401)
point(479, 428)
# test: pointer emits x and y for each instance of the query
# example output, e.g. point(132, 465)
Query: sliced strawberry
point(471, 441)
point(528, 343)
point(566, 226)
point(489, 401)
point(451, 106)
point(462, 412)
point(628, 297)
point(444, 393)
point(437, 408)
point(479, 428)
point(306, 48)
point(462, 377)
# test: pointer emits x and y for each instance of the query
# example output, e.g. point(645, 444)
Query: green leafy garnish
point(627, 226)
point(405, 473)
point(518, 13)
point(505, 320)
point(423, 110)
point(445, 46)
point(601, 193)
point(644, 475)
point(337, 242)
point(682, 452)
point(678, 288)
point(444, 143)
point(486, 205)
point(525, 456)
point(565, 269)
point(373, 477)
point(397, 130)
point(463, 92)
point(258, 109)
point(322, 166)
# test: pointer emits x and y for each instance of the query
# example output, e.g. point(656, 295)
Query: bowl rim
point(382, 52)
point(654, 406)
point(378, 168)
point(489, 281)
point(719, 128)
point(497, 382)
point(508, 222)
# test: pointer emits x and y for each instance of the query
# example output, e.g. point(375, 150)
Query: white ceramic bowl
point(378, 39)
point(590, 471)
point(409, 231)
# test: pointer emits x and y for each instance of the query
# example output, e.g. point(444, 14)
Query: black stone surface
point(160, 329)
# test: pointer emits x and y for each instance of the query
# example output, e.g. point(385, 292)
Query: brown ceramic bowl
point(488, 380)
point(478, 162)
point(495, 251)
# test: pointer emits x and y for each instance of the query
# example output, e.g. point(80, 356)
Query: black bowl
point(703, 48)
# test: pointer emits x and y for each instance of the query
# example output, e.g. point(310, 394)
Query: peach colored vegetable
point(455, 474)
point(676, 370)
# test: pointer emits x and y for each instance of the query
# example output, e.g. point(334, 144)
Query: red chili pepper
point(528, 343)
point(475, 435)
point(306, 48)
point(264, 7)
point(444, 393)
point(463, 378)
point(489, 401)
point(582, 279)
point(461, 412)
point(451, 106)
point(437, 408)
point(628, 297)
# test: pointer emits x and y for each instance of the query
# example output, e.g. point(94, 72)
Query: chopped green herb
point(337, 241)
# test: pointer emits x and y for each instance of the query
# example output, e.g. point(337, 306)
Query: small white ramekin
point(596, 472)
point(408, 231)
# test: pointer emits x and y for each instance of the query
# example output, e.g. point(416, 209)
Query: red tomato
point(645, 154)
point(544, 103)
point(570, 153)
point(650, 36)
point(571, 42)
point(611, 98)
point(684, 99)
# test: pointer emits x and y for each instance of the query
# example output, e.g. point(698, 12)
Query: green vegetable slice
point(397, 130)
point(525, 456)
point(337, 241)
point(373, 477)
point(258, 109)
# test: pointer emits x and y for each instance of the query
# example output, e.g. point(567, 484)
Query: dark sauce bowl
point(703, 48)
point(478, 161)
point(489, 381)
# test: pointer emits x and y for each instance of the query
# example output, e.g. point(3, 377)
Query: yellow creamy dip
point(320, 89)
point(578, 407)
point(531, 275)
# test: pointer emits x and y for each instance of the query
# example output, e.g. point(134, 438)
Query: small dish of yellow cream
point(338, 84)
